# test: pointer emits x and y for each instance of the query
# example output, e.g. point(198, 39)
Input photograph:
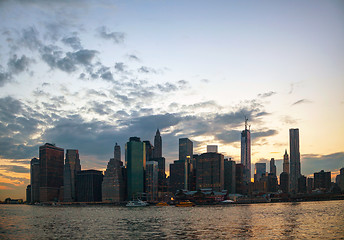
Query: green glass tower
point(135, 158)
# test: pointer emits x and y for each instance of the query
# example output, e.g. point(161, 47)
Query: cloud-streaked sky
point(87, 74)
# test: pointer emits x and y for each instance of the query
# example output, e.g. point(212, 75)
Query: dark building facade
point(322, 180)
point(113, 186)
point(229, 175)
point(185, 148)
point(210, 171)
point(259, 171)
point(177, 176)
point(239, 179)
point(28, 194)
point(72, 166)
point(273, 169)
point(35, 180)
point(246, 153)
point(157, 153)
point(135, 157)
point(295, 167)
point(302, 184)
point(89, 186)
point(272, 182)
point(284, 182)
point(152, 172)
point(149, 149)
point(51, 172)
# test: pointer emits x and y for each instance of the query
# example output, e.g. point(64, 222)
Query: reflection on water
point(265, 221)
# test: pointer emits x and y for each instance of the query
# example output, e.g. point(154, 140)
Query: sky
point(87, 74)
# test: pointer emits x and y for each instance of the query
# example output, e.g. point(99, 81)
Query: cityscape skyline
point(136, 67)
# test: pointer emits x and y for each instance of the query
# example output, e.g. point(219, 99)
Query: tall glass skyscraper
point(135, 158)
point(295, 168)
point(185, 148)
point(246, 152)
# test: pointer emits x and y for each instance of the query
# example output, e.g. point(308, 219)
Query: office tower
point(295, 169)
point(34, 179)
point(322, 180)
point(239, 179)
point(113, 187)
point(210, 171)
point(89, 186)
point(185, 148)
point(177, 176)
point(135, 157)
point(246, 153)
point(302, 184)
point(28, 194)
point(272, 182)
point(284, 182)
point(72, 166)
point(212, 148)
point(286, 162)
point(229, 175)
point(157, 153)
point(161, 174)
point(310, 185)
point(152, 171)
point(260, 169)
point(51, 172)
point(149, 149)
point(272, 166)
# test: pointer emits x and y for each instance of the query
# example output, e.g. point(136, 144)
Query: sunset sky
point(87, 74)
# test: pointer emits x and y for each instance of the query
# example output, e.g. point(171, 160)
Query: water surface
point(263, 221)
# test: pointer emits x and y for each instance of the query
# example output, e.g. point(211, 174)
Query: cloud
point(4, 78)
point(18, 65)
point(73, 42)
point(116, 37)
point(14, 168)
point(133, 57)
point(259, 134)
point(267, 94)
point(119, 66)
point(301, 101)
point(311, 163)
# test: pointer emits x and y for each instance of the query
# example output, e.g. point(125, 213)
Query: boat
point(136, 203)
point(160, 204)
point(227, 201)
point(185, 204)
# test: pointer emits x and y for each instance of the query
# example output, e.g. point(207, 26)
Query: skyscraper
point(72, 166)
point(210, 171)
point(51, 172)
point(34, 179)
point(246, 152)
point(152, 172)
point(89, 186)
point(295, 168)
point(113, 181)
point(149, 149)
point(185, 148)
point(157, 152)
point(286, 162)
point(273, 167)
point(260, 169)
point(229, 175)
point(135, 157)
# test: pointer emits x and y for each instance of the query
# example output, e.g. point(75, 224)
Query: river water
point(317, 220)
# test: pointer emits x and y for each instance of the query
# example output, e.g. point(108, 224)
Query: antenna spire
point(246, 119)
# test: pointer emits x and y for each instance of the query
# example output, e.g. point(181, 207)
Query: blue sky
point(87, 74)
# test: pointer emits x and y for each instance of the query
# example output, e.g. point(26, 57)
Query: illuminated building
point(51, 172)
point(210, 171)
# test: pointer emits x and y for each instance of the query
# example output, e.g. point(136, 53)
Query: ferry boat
point(136, 203)
point(160, 204)
point(185, 204)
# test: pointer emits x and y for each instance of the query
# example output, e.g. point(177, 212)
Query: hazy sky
point(87, 74)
